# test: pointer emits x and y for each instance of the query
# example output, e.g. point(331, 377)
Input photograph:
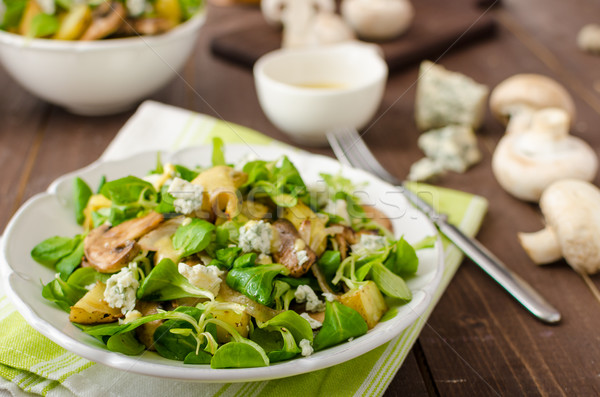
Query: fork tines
point(350, 149)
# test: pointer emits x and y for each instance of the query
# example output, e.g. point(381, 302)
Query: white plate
point(51, 213)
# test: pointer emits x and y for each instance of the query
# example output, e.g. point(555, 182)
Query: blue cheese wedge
point(445, 97)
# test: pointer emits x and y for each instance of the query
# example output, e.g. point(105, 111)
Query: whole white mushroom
point(527, 161)
point(378, 19)
point(514, 100)
point(307, 23)
point(571, 209)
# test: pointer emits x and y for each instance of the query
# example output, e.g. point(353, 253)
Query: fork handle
point(511, 282)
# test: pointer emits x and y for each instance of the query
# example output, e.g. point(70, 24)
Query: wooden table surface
point(478, 341)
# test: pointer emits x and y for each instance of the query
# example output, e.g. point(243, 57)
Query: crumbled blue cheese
point(424, 169)
point(306, 347)
point(121, 288)
point(47, 6)
point(339, 208)
point(264, 259)
point(368, 244)
point(314, 324)
point(302, 257)
point(329, 297)
point(205, 277)
point(452, 148)
point(305, 293)
point(256, 236)
point(188, 196)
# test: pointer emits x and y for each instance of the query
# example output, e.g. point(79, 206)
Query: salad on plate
point(234, 266)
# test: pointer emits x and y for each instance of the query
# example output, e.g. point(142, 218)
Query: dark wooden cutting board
point(439, 26)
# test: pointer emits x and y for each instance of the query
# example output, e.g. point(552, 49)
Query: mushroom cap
point(526, 164)
point(378, 19)
point(529, 92)
point(572, 209)
point(110, 249)
point(275, 12)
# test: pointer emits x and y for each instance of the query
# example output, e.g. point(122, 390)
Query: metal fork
point(350, 149)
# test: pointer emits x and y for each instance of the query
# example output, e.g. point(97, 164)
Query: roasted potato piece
point(93, 309)
point(168, 9)
point(31, 10)
point(221, 184)
point(96, 202)
point(253, 210)
point(239, 321)
point(74, 23)
point(367, 301)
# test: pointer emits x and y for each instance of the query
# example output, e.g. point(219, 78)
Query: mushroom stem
point(542, 246)
point(519, 120)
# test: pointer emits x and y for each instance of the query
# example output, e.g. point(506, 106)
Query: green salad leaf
point(166, 283)
point(81, 196)
point(279, 180)
point(341, 323)
point(256, 282)
point(193, 237)
point(129, 190)
point(170, 339)
point(293, 322)
point(13, 13)
point(389, 283)
point(239, 355)
point(53, 249)
point(66, 293)
point(218, 157)
point(67, 264)
point(185, 173)
point(402, 258)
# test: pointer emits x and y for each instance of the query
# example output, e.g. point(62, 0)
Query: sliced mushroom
point(108, 249)
point(378, 216)
point(152, 26)
point(106, 20)
point(258, 311)
point(290, 244)
point(145, 332)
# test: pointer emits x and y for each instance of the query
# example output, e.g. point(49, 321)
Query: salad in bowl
point(232, 266)
point(93, 19)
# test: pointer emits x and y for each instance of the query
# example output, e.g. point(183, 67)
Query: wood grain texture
point(479, 341)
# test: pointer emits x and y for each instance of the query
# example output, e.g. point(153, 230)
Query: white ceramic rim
point(376, 78)
point(182, 29)
point(177, 370)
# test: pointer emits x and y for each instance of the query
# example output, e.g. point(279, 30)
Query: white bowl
point(306, 92)
point(102, 76)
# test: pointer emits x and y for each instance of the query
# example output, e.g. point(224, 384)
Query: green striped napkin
point(31, 363)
